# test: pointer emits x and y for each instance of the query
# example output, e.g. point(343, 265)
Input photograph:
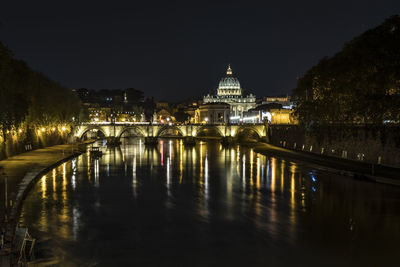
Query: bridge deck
point(158, 130)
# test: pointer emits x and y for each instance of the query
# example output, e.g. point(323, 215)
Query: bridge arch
point(214, 130)
point(169, 128)
point(249, 131)
point(82, 132)
point(138, 129)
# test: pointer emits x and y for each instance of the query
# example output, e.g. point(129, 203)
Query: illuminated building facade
point(285, 102)
point(282, 116)
point(214, 113)
point(229, 91)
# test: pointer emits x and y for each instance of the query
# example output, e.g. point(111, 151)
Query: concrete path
point(17, 174)
point(357, 169)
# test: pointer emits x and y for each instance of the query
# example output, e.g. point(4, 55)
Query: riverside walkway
point(356, 169)
point(17, 175)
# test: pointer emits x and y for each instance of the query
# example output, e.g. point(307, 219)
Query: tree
point(359, 84)
point(30, 99)
point(181, 116)
point(137, 112)
point(134, 96)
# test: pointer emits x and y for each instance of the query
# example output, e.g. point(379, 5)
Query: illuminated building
point(283, 116)
point(229, 91)
point(212, 113)
point(285, 102)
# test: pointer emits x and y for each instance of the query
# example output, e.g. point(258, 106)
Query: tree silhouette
point(360, 84)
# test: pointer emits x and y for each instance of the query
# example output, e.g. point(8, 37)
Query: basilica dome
point(229, 85)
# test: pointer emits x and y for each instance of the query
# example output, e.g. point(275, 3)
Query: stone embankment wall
point(372, 144)
point(14, 145)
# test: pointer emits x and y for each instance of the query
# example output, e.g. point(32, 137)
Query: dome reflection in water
point(173, 205)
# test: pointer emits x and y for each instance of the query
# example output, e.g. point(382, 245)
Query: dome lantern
point(229, 70)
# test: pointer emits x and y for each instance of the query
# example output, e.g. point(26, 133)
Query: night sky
point(174, 50)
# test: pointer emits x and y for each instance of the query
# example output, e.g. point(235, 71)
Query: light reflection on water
point(178, 205)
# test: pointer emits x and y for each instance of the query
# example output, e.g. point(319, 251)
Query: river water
point(207, 205)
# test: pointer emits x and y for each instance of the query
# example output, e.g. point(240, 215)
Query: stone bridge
point(162, 130)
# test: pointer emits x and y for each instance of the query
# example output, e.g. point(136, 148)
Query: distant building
point(282, 116)
point(162, 104)
point(230, 92)
point(116, 105)
point(191, 112)
point(282, 100)
point(188, 107)
point(164, 112)
point(213, 113)
point(260, 114)
point(163, 116)
point(99, 114)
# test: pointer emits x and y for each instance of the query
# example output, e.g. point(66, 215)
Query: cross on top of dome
point(229, 70)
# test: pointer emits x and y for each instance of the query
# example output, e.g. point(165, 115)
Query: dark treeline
point(30, 101)
point(358, 85)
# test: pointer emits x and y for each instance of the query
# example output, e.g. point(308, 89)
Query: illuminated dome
point(229, 85)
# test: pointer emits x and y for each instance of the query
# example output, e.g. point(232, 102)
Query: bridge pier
point(189, 141)
point(150, 140)
point(113, 141)
point(228, 140)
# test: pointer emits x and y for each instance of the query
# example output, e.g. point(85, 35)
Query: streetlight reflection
point(96, 173)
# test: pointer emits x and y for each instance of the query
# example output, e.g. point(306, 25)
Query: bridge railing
point(167, 124)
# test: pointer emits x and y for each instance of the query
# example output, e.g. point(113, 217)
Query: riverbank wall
point(369, 144)
point(22, 171)
point(27, 140)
